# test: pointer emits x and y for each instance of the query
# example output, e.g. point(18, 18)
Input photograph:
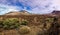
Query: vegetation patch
point(10, 23)
point(24, 22)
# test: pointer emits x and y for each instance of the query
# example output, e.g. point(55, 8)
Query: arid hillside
point(36, 24)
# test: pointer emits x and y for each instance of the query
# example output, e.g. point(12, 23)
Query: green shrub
point(24, 30)
point(11, 23)
point(1, 23)
point(24, 23)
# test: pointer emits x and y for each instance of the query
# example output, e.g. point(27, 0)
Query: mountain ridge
point(23, 12)
point(18, 13)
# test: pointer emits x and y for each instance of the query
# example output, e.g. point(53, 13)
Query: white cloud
point(35, 3)
point(56, 4)
point(38, 6)
point(5, 9)
point(42, 6)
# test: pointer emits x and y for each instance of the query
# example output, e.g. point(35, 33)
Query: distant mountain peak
point(23, 12)
point(56, 12)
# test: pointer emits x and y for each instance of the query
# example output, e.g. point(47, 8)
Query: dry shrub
point(25, 30)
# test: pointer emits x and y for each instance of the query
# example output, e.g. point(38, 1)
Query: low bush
point(1, 24)
point(24, 30)
point(24, 22)
point(49, 20)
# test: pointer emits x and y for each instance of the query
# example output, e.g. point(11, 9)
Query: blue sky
point(32, 6)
